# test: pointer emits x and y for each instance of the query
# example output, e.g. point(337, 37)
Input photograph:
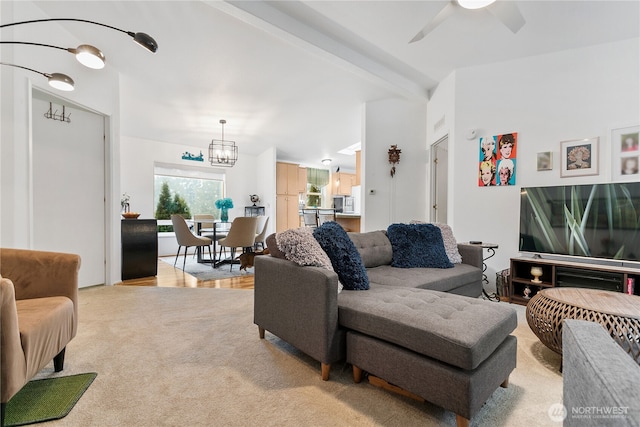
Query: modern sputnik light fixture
point(221, 152)
point(87, 55)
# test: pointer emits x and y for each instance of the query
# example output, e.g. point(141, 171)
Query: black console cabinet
point(139, 248)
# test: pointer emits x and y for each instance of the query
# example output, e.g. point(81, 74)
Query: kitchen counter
point(349, 221)
point(347, 215)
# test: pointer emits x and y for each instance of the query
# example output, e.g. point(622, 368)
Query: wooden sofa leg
point(58, 361)
point(461, 421)
point(261, 332)
point(505, 383)
point(325, 371)
point(2, 408)
point(357, 374)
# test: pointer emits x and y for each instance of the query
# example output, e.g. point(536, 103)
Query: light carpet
point(205, 271)
point(192, 357)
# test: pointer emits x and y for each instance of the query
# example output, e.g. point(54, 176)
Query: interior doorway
point(68, 183)
point(439, 172)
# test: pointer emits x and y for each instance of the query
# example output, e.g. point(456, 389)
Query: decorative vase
point(224, 215)
point(527, 292)
point(536, 272)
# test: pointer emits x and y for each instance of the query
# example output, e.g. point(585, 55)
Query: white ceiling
point(295, 75)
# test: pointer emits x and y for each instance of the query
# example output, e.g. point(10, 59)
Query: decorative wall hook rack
point(53, 115)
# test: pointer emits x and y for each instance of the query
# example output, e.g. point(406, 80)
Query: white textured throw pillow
point(450, 244)
point(299, 246)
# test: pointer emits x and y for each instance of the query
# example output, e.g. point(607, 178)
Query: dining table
point(220, 228)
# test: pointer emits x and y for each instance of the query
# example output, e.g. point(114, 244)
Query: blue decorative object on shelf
point(188, 156)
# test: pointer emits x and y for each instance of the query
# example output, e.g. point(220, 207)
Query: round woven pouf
point(619, 314)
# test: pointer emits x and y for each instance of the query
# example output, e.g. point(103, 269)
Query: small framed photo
point(625, 153)
point(545, 161)
point(579, 157)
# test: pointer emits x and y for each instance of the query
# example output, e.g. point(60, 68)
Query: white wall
point(546, 99)
point(401, 198)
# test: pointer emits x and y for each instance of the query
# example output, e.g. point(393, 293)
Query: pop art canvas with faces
point(497, 160)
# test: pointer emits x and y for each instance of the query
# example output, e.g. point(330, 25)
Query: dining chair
point(259, 240)
point(186, 238)
point(206, 228)
point(242, 234)
point(326, 215)
point(310, 217)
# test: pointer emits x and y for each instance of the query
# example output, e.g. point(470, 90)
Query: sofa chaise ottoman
point(450, 350)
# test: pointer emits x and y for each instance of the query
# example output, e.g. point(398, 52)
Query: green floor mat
point(47, 399)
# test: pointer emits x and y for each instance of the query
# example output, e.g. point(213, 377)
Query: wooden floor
point(171, 277)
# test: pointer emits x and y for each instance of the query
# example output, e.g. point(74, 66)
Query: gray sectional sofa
point(422, 329)
point(599, 379)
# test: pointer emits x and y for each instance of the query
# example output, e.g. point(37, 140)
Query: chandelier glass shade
point(221, 152)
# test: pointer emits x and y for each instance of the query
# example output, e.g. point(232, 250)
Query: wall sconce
point(394, 157)
point(221, 152)
point(56, 80)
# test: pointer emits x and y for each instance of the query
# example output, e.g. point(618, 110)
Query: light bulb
point(475, 4)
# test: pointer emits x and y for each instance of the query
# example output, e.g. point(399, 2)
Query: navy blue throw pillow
point(417, 245)
point(344, 256)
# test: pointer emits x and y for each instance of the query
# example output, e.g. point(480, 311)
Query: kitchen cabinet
point(287, 215)
point(288, 188)
point(287, 178)
point(342, 182)
point(302, 180)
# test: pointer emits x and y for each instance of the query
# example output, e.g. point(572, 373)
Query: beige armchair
point(38, 314)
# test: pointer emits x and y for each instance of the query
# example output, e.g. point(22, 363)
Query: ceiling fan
point(506, 11)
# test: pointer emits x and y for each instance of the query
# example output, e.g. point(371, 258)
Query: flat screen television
point(594, 220)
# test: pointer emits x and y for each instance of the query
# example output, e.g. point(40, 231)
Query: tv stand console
point(566, 274)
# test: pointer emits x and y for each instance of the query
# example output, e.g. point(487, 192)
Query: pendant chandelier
point(221, 152)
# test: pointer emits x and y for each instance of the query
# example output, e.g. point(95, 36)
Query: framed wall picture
point(625, 153)
point(545, 161)
point(497, 160)
point(579, 157)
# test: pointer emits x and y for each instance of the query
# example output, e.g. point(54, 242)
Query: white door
point(440, 170)
point(69, 185)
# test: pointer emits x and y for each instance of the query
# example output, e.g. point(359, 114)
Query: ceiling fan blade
point(508, 13)
point(439, 18)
